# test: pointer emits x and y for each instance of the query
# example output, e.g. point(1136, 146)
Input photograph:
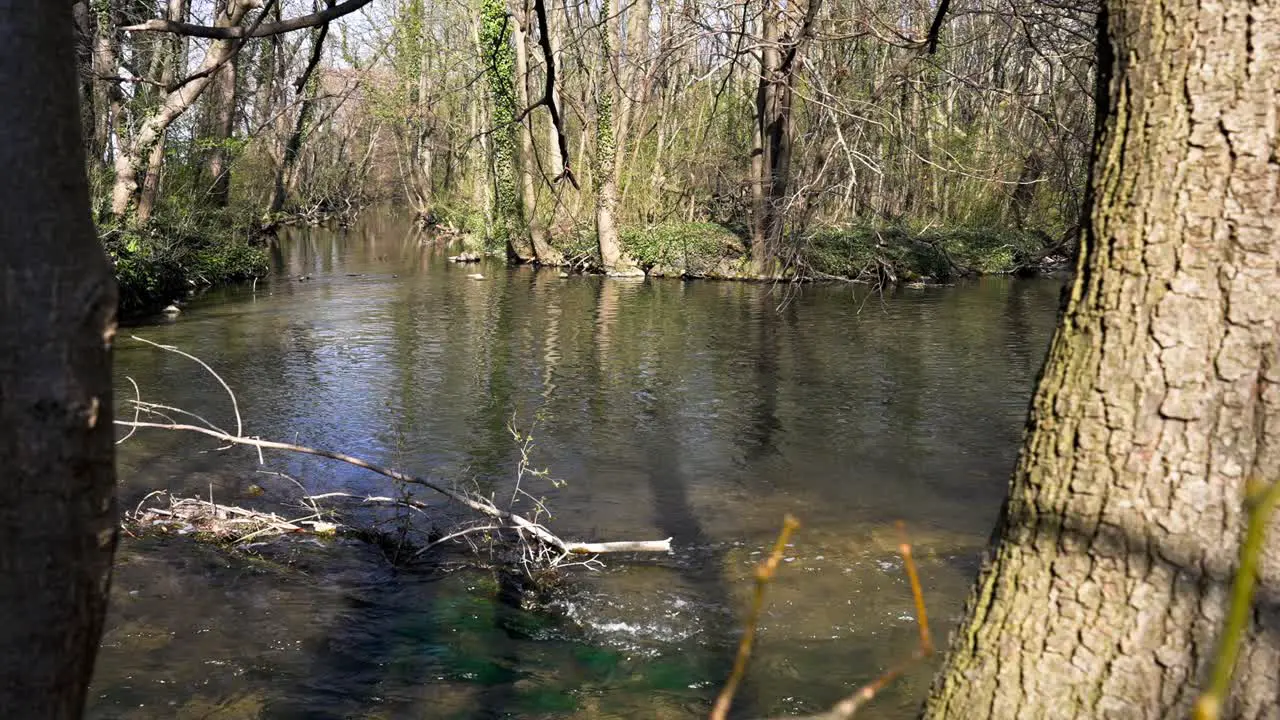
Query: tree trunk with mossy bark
point(1105, 589)
point(57, 469)
point(499, 58)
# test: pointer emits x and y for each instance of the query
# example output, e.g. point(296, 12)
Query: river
point(702, 411)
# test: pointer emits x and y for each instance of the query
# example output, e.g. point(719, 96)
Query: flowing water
point(701, 411)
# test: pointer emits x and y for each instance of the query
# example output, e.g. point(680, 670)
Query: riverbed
point(701, 411)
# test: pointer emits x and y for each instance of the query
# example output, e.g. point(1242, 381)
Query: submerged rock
point(476, 276)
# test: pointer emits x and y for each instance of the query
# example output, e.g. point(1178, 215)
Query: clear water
point(703, 411)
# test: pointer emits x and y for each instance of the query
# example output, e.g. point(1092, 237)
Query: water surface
point(701, 411)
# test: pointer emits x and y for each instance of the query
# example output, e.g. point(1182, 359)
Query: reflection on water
point(698, 410)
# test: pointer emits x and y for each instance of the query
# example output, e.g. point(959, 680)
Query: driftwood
point(538, 544)
point(224, 522)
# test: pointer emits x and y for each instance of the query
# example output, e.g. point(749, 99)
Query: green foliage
point(499, 57)
point(693, 249)
point(934, 253)
point(164, 260)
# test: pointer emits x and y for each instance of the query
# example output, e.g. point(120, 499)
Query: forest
point(853, 140)
point(1018, 495)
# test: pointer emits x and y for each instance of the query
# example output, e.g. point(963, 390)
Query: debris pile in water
point(161, 511)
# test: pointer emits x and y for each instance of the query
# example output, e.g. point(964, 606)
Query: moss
point(166, 259)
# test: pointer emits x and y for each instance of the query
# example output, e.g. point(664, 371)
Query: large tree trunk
point(57, 475)
point(1105, 589)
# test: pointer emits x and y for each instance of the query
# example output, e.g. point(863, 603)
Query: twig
point(764, 574)
point(1260, 502)
point(849, 706)
point(235, 406)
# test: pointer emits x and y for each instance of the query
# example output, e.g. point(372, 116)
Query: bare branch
point(263, 30)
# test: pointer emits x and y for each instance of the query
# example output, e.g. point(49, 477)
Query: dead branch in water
point(539, 546)
point(228, 523)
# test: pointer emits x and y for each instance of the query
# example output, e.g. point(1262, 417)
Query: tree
point(57, 460)
point(500, 61)
point(1105, 587)
point(615, 259)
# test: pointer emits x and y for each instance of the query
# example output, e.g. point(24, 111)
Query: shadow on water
point(656, 435)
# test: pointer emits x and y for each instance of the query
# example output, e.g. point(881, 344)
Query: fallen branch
point(538, 545)
point(479, 505)
point(225, 522)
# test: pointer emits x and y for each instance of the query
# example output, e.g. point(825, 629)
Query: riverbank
point(167, 260)
point(872, 253)
point(864, 252)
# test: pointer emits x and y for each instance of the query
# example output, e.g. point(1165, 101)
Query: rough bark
point(1105, 587)
point(57, 477)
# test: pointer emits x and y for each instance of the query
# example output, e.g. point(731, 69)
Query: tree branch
point(548, 91)
point(265, 30)
point(936, 27)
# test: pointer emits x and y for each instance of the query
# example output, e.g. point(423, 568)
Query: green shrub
point(938, 254)
point(165, 259)
point(688, 248)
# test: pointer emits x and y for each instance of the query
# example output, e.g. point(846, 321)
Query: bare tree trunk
point(107, 97)
point(543, 252)
point(1104, 591)
point(771, 156)
point(57, 483)
point(762, 254)
point(168, 61)
point(222, 105)
point(129, 161)
point(309, 85)
point(615, 260)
